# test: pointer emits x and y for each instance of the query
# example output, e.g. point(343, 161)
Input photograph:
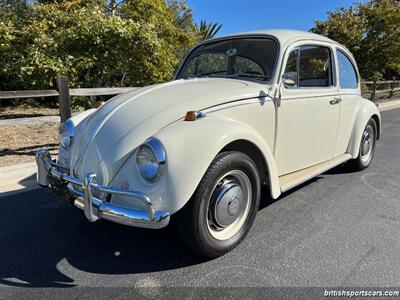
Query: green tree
point(371, 32)
point(140, 43)
point(208, 30)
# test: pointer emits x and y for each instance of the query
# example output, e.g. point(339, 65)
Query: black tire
point(194, 218)
point(362, 161)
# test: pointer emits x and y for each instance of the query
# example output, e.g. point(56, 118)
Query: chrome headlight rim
point(158, 151)
point(66, 130)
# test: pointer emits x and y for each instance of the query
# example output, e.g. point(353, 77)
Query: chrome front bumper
point(50, 172)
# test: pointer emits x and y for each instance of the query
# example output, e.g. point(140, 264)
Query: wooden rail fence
point(64, 93)
point(373, 90)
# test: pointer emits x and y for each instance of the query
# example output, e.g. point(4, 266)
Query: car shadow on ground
point(344, 168)
point(30, 150)
point(41, 236)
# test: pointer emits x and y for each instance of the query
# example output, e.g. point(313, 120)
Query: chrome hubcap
point(226, 206)
point(229, 204)
point(367, 143)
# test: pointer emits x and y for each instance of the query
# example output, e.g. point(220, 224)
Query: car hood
point(109, 135)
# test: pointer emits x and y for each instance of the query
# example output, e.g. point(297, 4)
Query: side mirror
point(289, 79)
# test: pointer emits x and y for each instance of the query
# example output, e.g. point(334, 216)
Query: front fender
point(77, 119)
point(190, 148)
point(366, 110)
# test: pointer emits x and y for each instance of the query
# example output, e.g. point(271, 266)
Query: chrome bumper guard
point(95, 208)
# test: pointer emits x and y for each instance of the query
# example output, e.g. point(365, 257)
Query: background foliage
point(96, 43)
point(100, 43)
point(371, 31)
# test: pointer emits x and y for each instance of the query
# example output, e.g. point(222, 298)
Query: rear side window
point(347, 72)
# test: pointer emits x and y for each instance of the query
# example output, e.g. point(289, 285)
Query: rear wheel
point(367, 147)
point(223, 207)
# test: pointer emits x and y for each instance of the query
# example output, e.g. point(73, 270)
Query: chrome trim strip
point(350, 94)
point(310, 97)
point(229, 105)
point(318, 96)
point(258, 98)
point(95, 208)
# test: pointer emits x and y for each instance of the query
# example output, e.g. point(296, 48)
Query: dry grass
point(18, 144)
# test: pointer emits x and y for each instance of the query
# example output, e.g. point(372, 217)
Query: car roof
point(284, 36)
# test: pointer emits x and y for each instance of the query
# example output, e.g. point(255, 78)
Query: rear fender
point(366, 111)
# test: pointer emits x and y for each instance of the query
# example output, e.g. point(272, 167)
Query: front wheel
point(367, 147)
point(223, 207)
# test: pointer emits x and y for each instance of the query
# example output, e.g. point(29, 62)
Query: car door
point(308, 115)
point(350, 93)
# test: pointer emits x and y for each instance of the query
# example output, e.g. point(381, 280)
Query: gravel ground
point(18, 112)
point(19, 143)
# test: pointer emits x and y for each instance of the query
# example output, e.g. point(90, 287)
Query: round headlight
point(150, 159)
point(66, 133)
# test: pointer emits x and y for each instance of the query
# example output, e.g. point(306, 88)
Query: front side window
point(315, 67)
point(246, 58)
point(312, 67)
point(347, 72)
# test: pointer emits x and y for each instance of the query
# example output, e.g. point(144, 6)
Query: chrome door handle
point(335, 101)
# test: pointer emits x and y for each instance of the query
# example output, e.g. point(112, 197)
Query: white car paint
point(293, 136)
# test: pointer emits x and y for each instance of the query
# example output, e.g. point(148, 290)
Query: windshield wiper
point(244, 75)
point(208, 73)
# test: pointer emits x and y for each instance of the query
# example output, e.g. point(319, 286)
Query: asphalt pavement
point(339, 229)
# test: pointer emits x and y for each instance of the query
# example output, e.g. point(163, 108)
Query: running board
point(291, 180)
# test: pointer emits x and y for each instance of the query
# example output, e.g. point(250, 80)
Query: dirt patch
point(18, 144)
point(27, 112)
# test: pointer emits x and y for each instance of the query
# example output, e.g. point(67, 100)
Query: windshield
point(250, 58)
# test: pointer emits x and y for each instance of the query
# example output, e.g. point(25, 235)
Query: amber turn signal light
point(193, 115)
point(98, 104)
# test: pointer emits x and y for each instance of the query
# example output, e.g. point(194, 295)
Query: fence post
point(392, 84)
point(373, 91)
point(64, 101)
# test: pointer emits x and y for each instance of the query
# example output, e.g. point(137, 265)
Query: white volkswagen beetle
point(268, 109)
